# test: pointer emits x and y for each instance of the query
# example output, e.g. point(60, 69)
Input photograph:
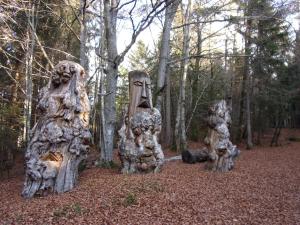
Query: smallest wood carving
point(191, 157)
point(139, 149)
point(220, 149)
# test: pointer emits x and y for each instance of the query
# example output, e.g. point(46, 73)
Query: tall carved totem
point(139, 149)
point(60, 139)
point(220, 149)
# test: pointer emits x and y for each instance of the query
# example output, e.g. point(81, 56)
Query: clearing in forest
point(263, 188)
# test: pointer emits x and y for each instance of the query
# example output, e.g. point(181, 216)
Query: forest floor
point(263, 188)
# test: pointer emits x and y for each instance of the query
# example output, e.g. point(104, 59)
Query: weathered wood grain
point(60, 138)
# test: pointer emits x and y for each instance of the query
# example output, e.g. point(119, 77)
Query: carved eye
point(72, 69)
point(82, 73)
point(138, 83)
point(61, 68)
point(150, 86)
point(137, 131)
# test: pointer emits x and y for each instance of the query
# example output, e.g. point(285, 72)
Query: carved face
point(221, 110)
point(62, 73)
point(140, 96)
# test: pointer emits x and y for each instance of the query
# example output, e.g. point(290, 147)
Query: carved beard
point(140, 97)
point(55, 79)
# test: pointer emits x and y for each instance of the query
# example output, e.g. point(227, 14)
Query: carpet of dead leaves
point(263, 188)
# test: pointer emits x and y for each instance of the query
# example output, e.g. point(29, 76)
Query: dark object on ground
point(200, 155)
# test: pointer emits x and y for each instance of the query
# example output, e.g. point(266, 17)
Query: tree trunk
point(28, 72)
point(163, 80)
point(165, 51)
point(199, 50)
point(113, 61)
point(181, 143)
point(110, 19)
point(83, 37)
point(241, 125)
point(168, 125)
point(248, 82)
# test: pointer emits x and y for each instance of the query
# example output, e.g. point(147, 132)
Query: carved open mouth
point(144, 104)
point(66, 75)
point(221, 151)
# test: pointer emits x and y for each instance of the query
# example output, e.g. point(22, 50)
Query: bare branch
point(12, 78)
point(40, 45)
point(124, 4)
point(142, 25)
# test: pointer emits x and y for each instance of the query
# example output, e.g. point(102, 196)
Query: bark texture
point(108, 116)
point(220, 149)
point(180, 128)
point(60, 139)
point(139, 149)
point(164, 53)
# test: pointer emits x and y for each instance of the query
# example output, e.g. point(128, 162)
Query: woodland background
point(244, 51)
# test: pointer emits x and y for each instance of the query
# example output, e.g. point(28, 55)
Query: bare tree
point(248, 79)
point(163, 75)
point(180, 131)
point(31, 16)
point(114, 59)
point(165, 50)
point(83, 36)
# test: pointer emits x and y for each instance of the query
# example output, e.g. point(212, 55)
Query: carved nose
point(144, 93)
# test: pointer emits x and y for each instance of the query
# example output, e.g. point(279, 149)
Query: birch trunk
point(168, 126)
point(83, 37)
point(165, 51)
point(180, 127)
point(28, 72)
point(199, 50)
point(110, 20)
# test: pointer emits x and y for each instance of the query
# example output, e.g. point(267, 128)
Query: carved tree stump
point(139, 149)
point(60, 139)
point(220, 149)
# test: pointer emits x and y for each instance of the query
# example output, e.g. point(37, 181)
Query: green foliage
point(61, 212)
point(69, 210)
point(269, 65)
point(77, 208)
point(122, 100)
point(10, 127)
point(107, 164)
point(60, 21)
point(130, 199)
point(143, 59)
point(82, 166)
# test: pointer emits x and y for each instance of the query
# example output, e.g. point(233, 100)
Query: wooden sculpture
point(139, 149)
point(60, 138)
point(220, 149)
